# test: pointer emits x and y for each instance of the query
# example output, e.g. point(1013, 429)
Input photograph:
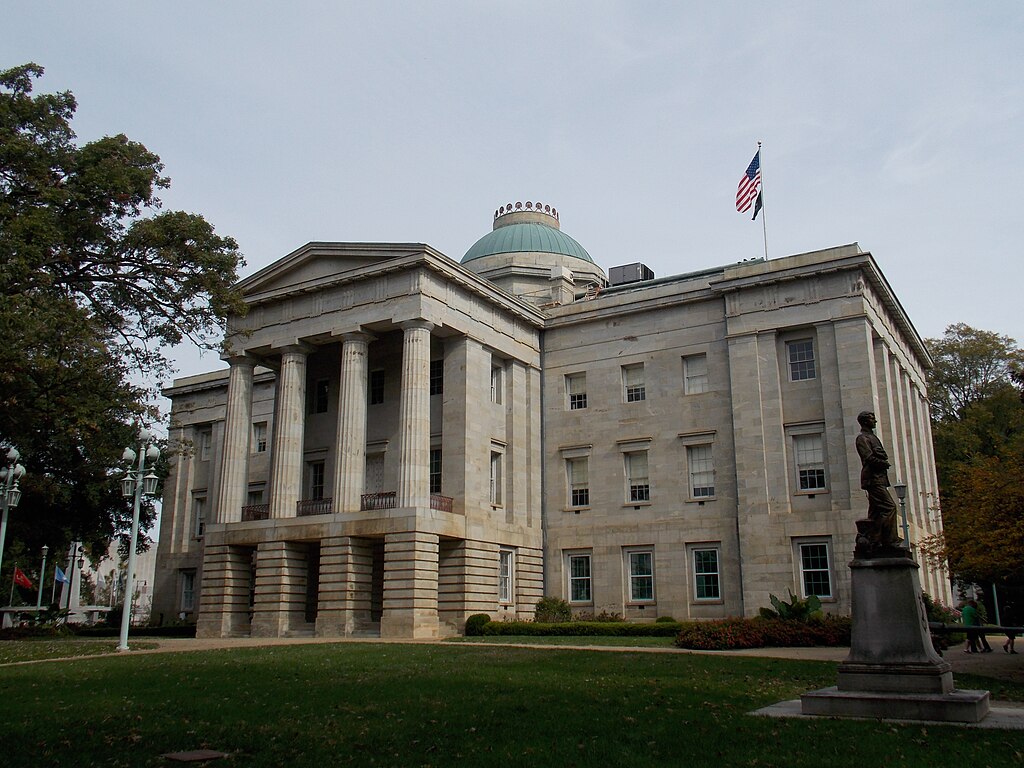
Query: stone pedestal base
point(892, 670)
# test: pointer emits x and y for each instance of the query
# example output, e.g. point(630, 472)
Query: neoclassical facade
point(402, 440)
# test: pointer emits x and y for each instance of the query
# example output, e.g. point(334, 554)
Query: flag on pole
point(750, 185)
point(24, 585)
point(58, 575)
point(758, 205)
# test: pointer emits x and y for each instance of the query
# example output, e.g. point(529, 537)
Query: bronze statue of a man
point(879, 530)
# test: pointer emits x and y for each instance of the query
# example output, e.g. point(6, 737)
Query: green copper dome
point(538, 234)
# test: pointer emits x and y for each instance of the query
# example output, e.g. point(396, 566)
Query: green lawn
point(445, 705)
point(60, 648)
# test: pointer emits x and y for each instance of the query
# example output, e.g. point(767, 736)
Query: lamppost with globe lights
point(42, 578)
point(901, 494)
point(9, 476)
point(136, 483)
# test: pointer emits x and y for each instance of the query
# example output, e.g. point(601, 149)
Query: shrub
point(665, 620)
point(795, 610)
point(552, 610)
point(475, 624)
point(735, 633)
point(580, 629)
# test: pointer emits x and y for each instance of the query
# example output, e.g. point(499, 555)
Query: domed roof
point(519, 231)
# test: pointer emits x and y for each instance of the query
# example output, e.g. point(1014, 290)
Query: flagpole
point(764, 225)
point(13, 574)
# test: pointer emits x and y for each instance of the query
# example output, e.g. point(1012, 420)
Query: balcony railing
point(388, 500)
point(252, 512)
point(372, 501)
point(308, 507)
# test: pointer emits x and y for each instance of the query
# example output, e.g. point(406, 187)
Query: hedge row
point(177, 630)
point(730, 634)
point(581, 629)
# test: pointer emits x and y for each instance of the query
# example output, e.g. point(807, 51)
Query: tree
point(96, 280)
point(978, 430)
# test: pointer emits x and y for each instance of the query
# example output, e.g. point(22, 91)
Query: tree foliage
point(95, 280)
point(978, 431)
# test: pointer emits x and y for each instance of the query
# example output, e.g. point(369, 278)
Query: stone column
point(289, 427)
point(346, 585)
point(350, 471)
point(414, 416)
point(224, 595)
point(234, 468)
point(280, 599)
point(410, 585)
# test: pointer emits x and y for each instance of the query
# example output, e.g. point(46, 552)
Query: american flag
point(750, 184)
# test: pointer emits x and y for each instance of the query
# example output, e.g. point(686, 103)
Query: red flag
point(20, 579)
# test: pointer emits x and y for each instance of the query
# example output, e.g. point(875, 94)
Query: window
point(496, 459)
point(259, 437)
point(435, 470)
point(639, 487)
point(815, 571)
point(576, 389)
point(641, 575)
point(205, 439)
point(579, 579)
point(706, 579)
point(198, 516)
point(316, 480)
point(633, 386)
point(810, 462)
point(801, 360)
point(702, 471)
point(496, 380)
point(437, 377)
point(376, 387)
point(255, 497)
point(318, 401)
point(579, 484)
point(695, 374)
point(188, 591)
point(506, 567)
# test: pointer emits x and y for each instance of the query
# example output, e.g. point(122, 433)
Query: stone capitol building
point(402, 440)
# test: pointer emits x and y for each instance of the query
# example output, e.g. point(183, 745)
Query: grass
point(438, 705)
point(41, 648)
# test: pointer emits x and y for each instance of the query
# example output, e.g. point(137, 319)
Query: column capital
point(241, 359)
point(295, 347)
point(417, 324)
point(364, 336)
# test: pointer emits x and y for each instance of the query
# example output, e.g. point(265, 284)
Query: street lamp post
point(134, 484)
point(75, 555)
point(901, 494)
point(9, 476)
point(42, 578)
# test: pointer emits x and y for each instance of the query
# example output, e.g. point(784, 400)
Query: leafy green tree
point(96, 281)
point(978, 430)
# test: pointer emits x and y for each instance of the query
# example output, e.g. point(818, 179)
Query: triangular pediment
point(319, 263)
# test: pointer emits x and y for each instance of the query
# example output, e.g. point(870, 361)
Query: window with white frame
point(815, 560)
point(576, 390)
point(435, 470)
point(315, 471)
point(437, 377)
point(376, 387)
point(205, 440)
point(198, 516)
point(633, 388)
point(187, 601)
point(801, 359)
point(496, 381)
point(496, 474)
point(702, 471)
point(707, 583)
point(695, 374)
point(809, 455)
point(638, 484)
point(577, 470)
point(259, 437)
point(640, 567)
point(580, 583)
point(506, 571)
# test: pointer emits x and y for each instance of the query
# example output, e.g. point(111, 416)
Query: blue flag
point(58, 575)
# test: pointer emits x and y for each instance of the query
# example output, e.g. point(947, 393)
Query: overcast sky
point(894, 125)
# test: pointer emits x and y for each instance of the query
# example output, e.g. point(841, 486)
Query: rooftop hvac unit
point(629, 273)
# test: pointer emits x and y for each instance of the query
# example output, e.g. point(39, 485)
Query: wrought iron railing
point(308, 507)
point(252, 512)
point(372, 501)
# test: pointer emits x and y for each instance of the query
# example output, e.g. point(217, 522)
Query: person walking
point(972, 620)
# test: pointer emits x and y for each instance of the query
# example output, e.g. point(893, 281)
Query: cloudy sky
point(894, 125)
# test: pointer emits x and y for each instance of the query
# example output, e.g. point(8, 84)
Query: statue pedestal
point(892, 670)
